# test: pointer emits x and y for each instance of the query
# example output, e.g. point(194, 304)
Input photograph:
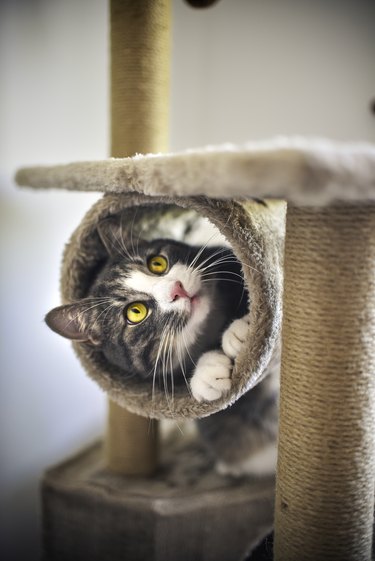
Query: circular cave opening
point(196, 222)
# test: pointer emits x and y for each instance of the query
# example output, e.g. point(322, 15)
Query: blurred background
point(241, 70)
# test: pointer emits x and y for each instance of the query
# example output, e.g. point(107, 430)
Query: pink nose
point(178, 291)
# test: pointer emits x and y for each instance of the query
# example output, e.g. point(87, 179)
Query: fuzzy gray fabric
point(255, 232)
point(303, 171)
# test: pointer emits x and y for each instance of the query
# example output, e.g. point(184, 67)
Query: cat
point(179, 315)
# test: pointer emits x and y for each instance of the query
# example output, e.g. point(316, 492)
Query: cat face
point(161, 307)
point(146, 309)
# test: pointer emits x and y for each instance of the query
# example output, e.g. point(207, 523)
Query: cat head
point(146, 308)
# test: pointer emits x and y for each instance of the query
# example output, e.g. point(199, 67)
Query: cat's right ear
point(69, 321)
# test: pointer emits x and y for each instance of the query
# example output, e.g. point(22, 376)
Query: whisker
point(187, 348)
point(131, 232)
point(182, 363)
point(207, 281)
point(201, 250)
point(171, 365)
point(89, 298)
point(107, 309)
point(219, 251)
point(165, 373)
point(216, 263)
point(85, 310)
point(223, 259)
point(161, 344)
point(122, 240)
point(222, 272)
point(120, 247)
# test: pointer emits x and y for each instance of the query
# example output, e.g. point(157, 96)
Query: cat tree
point(325, 477)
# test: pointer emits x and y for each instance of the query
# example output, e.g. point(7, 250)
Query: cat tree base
point(185, 512)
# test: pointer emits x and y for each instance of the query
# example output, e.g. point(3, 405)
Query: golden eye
point(157, 264)
point(136, 312)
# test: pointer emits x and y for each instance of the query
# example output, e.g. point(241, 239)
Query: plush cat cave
point(257, 243)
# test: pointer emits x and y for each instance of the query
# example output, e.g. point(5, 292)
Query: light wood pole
point(140, 66)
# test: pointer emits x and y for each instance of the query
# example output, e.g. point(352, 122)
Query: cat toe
point(211, 378)
point(203, 392)
point(235, 336)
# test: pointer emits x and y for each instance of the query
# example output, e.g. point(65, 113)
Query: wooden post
point(132, 442)
point(326, 468)
point(140, 60)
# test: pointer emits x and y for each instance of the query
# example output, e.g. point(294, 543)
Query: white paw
point(234, 337)
point(211, 378)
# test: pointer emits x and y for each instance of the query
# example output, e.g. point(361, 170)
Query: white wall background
point(242, 70)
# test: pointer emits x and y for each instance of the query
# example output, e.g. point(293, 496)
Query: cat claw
point(211, 378)
point(235, 336)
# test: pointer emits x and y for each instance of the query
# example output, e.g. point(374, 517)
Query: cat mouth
point(197, 310)
point(190, 302)
point(198, 307)
point(189, 305)
point(180, 294)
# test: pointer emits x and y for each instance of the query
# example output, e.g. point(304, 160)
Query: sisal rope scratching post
point(140, 45)
point(326, 469)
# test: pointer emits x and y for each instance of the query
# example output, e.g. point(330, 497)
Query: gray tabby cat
point(178, 315)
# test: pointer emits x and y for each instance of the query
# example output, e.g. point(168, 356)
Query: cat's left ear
point(111, 233)
point(70, 322)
